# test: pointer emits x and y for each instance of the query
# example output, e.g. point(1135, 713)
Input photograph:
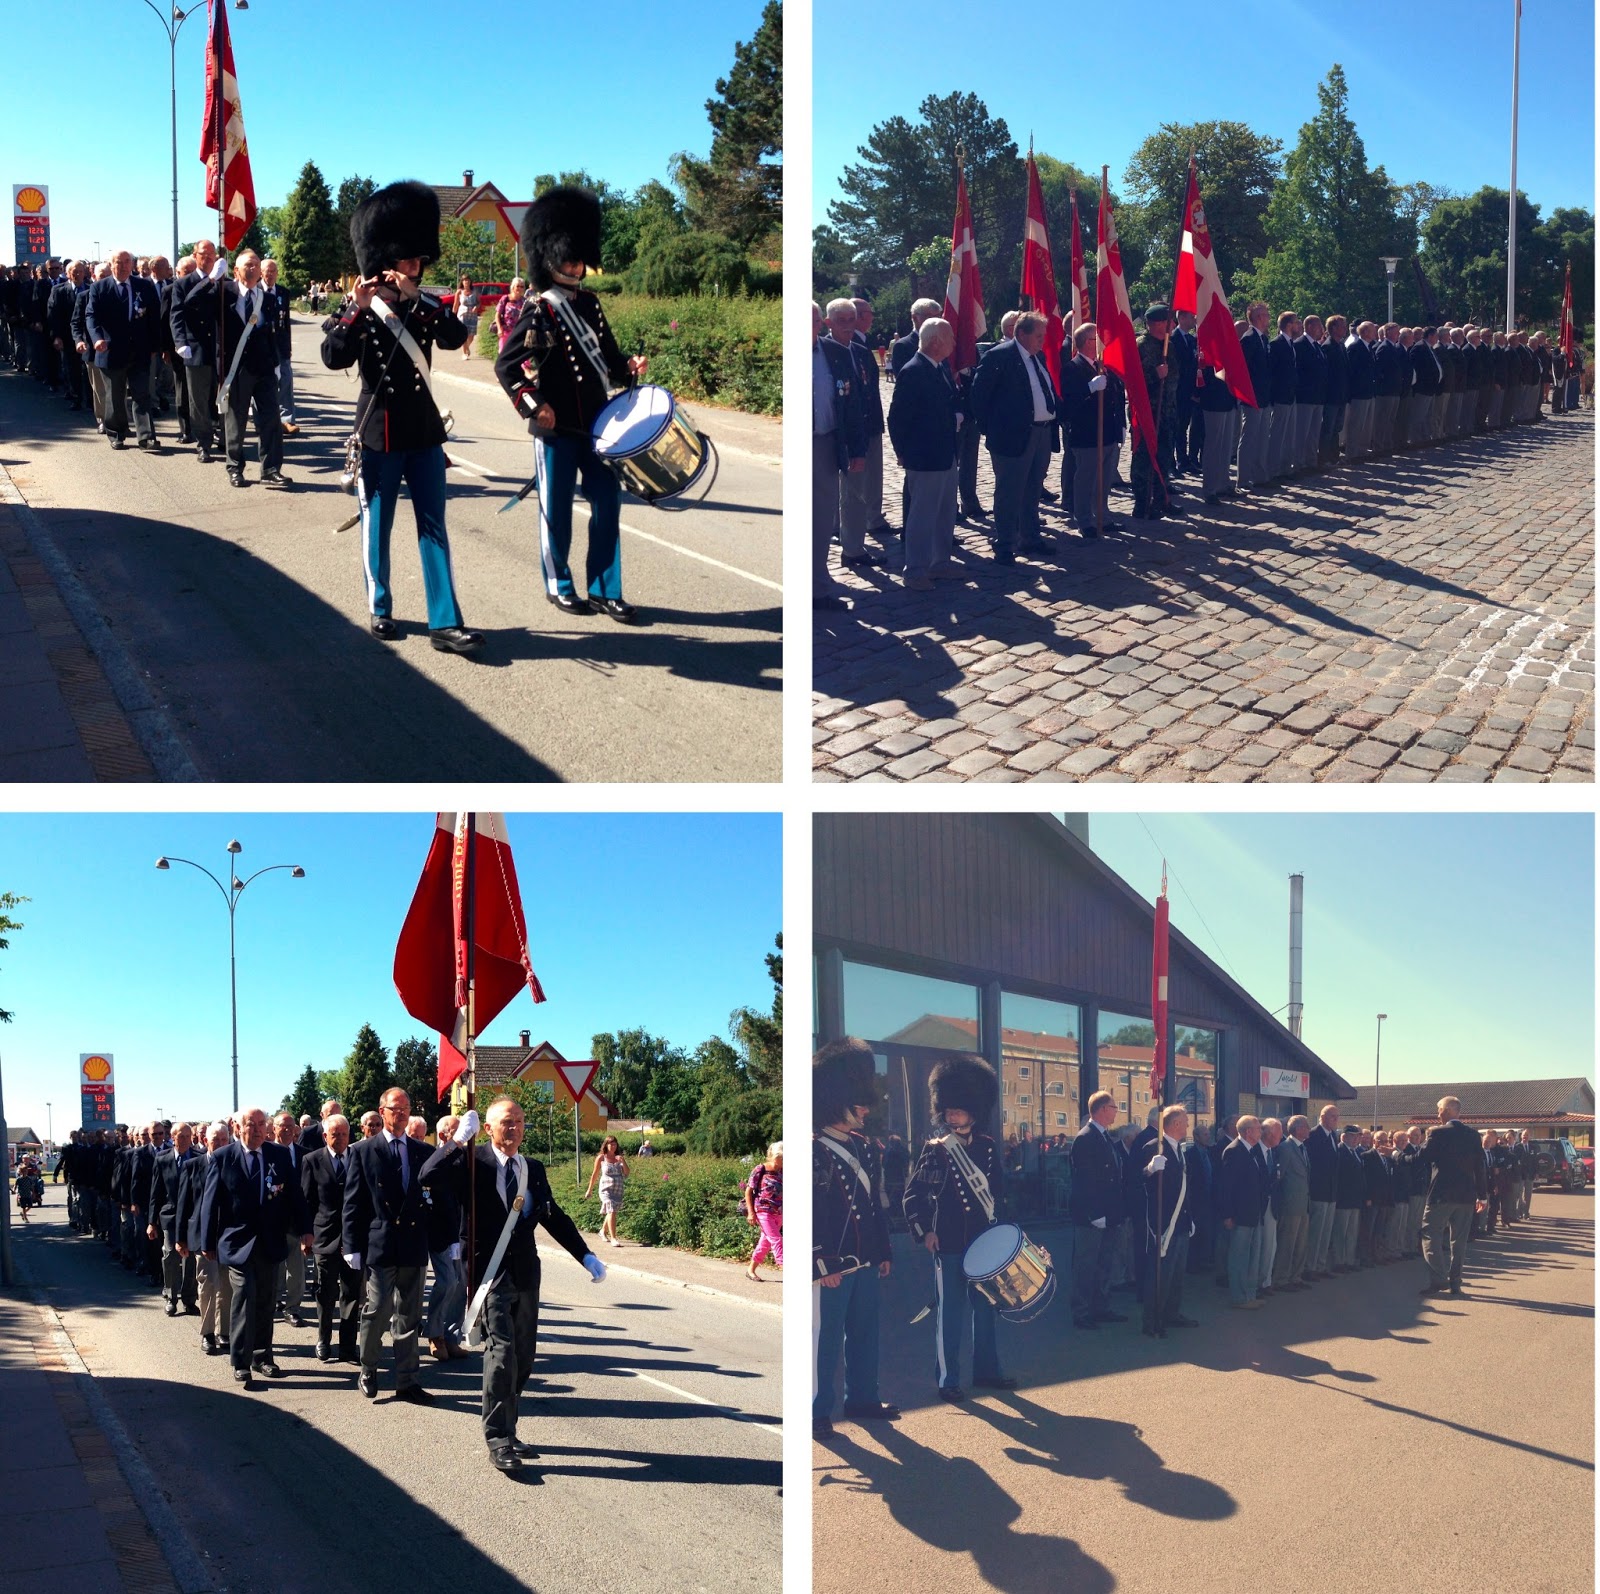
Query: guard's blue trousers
point(558, 462)
point(954, 1299)
point(422, 471)
point(845, 1319)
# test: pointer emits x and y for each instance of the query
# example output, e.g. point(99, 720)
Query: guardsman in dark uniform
point(1310, 391)
point(558, 366)
point(128, 1244)
point(850, 1249)
point(904, 349)
point(1255, 446)
point(1285, 415)
point(1426, 375)
point(395, 233)
point(285, 345)
point(947, 1209)
point(121, 316)
point(1336, 357)
point(44, 366)
point(838, 444)
point(211, 1277)
point(1152, 495)
point(872, 404)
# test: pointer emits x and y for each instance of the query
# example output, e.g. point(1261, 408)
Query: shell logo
point(97, 1069)
point(31, 201)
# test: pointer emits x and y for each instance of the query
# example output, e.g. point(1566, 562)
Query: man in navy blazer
point(166, 1182)
point(1255, 446)
point(248, 370)
point(216, 1294)
point(1014, 402)
point(1096, 1205)
point(1242, 1199)
point(1285, 412)
point(1362, 380)
point(386, 1231)
point(252, 1203)
point(121, 316)
point(924, 417)
point(1322, 1157)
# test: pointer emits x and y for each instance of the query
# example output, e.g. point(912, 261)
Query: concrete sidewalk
point(68, 1517)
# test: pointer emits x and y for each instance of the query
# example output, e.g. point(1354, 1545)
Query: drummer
point(558, 365)
point(952, 1196)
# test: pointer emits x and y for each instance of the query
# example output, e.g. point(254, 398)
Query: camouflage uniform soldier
point(1152, 497)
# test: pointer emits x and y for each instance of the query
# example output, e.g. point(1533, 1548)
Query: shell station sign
point(30, 211)
point(97, 1080)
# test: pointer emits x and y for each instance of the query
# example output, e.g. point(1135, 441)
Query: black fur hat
point(967, 1082)
point(396, 223)
point(844, 1074)
point(560, 227)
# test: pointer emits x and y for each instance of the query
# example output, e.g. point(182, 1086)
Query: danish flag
point(222, 137)
point(1199, 289)
point(1158, 992)
point(963, 293)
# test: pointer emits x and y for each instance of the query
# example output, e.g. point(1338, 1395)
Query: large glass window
point(1039, 1075)
point(1127, 1046)
point(912, 1009)
point(1194, 1073)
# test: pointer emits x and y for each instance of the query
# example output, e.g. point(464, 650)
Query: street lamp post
point(1389, 263)
point(1377, 1066)
point(230, 895)
point(49, 1128)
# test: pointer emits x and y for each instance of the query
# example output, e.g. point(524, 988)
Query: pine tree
point(309, 248)
point(760, 1035)
point(416, 1072)
point(366, 1074)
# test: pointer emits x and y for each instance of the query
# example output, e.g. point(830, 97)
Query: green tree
point(487, 257)
point(673, 1097)
point(1330, 220)
point(366, 1074)
point(303, 1097)
point(257, 238)
point(309, 249)
point(1135, 1034)
point(719, 1072)
point(739, 1126)
point(627, 1061)
point(758, 1035)
point(8, 901)
point(416, 1072)
point(737, 190)
point(546, 1124)
point(351, 193)
point(330, 1087)
point(1464, 255)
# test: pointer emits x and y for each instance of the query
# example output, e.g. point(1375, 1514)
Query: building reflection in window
point(1127, 1046)
point(1039, 1097)
point(1194, 1073)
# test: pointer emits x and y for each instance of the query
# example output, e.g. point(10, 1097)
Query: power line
point(1187, 898)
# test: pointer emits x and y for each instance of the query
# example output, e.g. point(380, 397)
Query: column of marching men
point(252, 1220)
point(1330, 394)
point(1270, 1208)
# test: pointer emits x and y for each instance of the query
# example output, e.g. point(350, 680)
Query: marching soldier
point(953, 1195)
point(389, 328)
point(1152, 496)
point(558, 366)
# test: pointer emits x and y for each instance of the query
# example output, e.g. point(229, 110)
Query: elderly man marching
point(513, 1198)
point(389, 328)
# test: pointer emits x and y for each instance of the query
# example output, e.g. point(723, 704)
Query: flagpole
point(219, 131)
point(1100, 416)
point(469, 911)
point(1511, 251)
point(1157, 1025)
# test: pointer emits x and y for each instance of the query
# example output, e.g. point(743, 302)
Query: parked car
point(489, 295)
point(1558, 1163)
point(1586, 1157)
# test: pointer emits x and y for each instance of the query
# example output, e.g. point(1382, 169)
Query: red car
point(489, 295)
point(1586, 1157)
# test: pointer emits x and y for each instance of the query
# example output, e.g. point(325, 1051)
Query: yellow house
point(470, 200)
point(538, 1066)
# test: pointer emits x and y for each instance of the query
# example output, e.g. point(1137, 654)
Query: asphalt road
point(245, 614)
point(1358, 1438)
point(655, 1410)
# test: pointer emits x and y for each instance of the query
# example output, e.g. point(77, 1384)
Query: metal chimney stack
point(1297, 887)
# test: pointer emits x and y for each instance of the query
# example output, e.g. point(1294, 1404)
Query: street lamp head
point(1382, 1017)
point(1389, 262)
point(161, 863)
point(241, 5)
point(297, 873)
point(233, 846)
point(237, 883)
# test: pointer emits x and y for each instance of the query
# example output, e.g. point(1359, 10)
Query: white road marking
point(699, 1400)
point(460, 462)
point(1519, 666)
point(704, 558)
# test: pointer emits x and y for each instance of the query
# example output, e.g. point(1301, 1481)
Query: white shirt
point(248, 300)
point(1041, 405)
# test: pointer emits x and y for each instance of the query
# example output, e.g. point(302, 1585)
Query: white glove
point(1157, 1162)
point(1191, 1231)
point(467, 1129)
point(1099, 1223)
point(220, 270)
point(352, 1260)
point(1097, 383)
point(185, 353)
point(455, 1252)
point(597, 1268)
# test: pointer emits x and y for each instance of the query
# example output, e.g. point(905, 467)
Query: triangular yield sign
point(576, 1077)
point(513, 214)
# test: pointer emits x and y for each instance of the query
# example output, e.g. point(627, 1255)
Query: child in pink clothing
point(763, 1205)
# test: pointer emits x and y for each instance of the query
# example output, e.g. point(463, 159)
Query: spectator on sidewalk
point(610, 1168)
point(763, 1205)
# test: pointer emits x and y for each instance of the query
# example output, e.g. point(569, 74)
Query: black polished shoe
point(414, 1395)
point(380, 625)
point(820, 1427)
point(267, 1369)
point(235, 477)
point(526, 1452)
point(151, 445)
point(275, 478)
point(172, 1308)
point(368, 1384)
point(568, 602)
point(613, 608)
point(1433, 1289)
point(1005, 560)
point(504, 1459)
point(190, 1309)
point(456, 639)
point(118, 442)
point(954, 1394)
point(994, 1383)
point(205, 455)
point(830, 603)
point(325, 1351)
point(860, 561)
point(208, 1343)
point(241, 1375)
point(1048, 497)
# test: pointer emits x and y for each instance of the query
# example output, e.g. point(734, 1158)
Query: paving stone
point(1337, 736)
point(1309, 720)
point(915, 764)
point(1042, 755)
point(1202, 758)
point(1371, 755)
point(1441, 740)
point(974, 763)
point(1087, 760)
point(1428, 758)
point(904, 742)
point(1530, 758)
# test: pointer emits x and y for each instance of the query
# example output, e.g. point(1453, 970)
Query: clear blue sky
point(659, 921)
point(1100, 78)
point(509, 91)
point(1474, 934)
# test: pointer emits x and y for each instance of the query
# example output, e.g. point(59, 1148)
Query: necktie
point(338, 1167)
point(510, 1182)
point(127, 294)
point(251, 1168)
point(400, 1161)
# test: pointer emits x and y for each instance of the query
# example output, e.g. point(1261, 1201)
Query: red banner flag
point(1199, 289)
point(430, 959)
point(1118, 340)
point(1080, 276)
point(1566, 318)
point(963, 294)
point(1158, 993)
point(1039, 273)
point(222, 145)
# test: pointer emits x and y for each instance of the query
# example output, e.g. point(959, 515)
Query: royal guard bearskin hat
point(400, 222)
point(966, 1082)
point(561, 227)
point(844, 1074)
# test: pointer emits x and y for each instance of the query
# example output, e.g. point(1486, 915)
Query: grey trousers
point(200, 388)
point(1084, 474)
point(1419, 417)
point(289, 1281)
point(1384, 408)
point(216, 1295)
point(1358, 428)
point(1216, 454)
point(930, 524)
point(1091, 1263)
point(1254, 444)
point(250, 1310)
point(177, 1272)
point(1269, 1239)
point(447, 1300)
point(1280, 447)
point(1244, 1262)
point(1293, 1231)
point(861, 499)
point(128, 386)
point(1441, 408)
point(1017, 480)
point(1308, 418)
point(1414, 1208)
point(1346, 1226)
point(824, 508)
point(394, 1295)
point(261, 392)
point(510, 1341)
point(1444, 1239)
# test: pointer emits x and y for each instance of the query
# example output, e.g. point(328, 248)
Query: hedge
point(726, 351)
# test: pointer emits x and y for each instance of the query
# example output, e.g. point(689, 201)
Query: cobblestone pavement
point(1426, 617)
